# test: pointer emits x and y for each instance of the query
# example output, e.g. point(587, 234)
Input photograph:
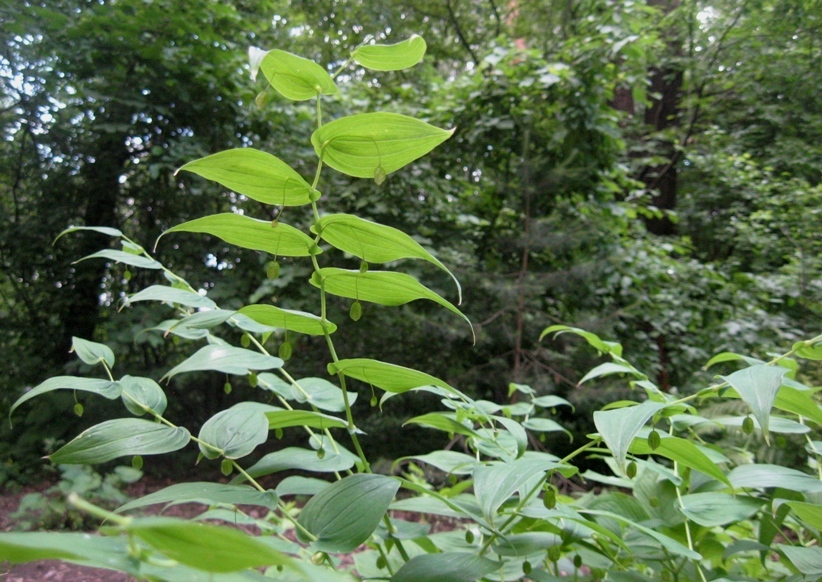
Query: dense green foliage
point(648, 172)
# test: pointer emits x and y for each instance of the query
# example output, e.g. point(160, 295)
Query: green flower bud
point(78, 409)
point(137, 462)
point(630, 471)
point(226, 467)
point(285, 350)
point(356, 311)
point(748, 425)
point(654, 440)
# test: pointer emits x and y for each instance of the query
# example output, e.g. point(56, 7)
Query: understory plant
point(674, 506)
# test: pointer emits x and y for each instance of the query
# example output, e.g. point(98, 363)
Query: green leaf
point(226, 359)
point(372, 242)
point(757, 386)
point(125, 258)
point(525, 544)
point(298, 321)
point(370, 145)
point(92, 353)
point(303, 460)
point(551, 401)
point(391, 57)
point(382, 287)
point(516, 430)
point(388, 377)
point(712, 509)
point(101, 229)
point(609, 368)
point(207, 494)
point(82, 548)
point(105, 388)
point(798, 402)
point(544, 425)
point(808, 350)
point(256, 174)
point(495, 483)
point(276, 238)
point(681, 451)
point(445, 567)
point(762, 476)
point(205, 319)
point(315, 391)
point(296, 485)
point(451, 462)
point(732, 357)
point(204, 546)
point(344, 515)
point(444, 421)
point(235, 432)
point(142, 394)
point(806, 560)
point(287, 418)
point(122, 437)
point(593, 339)
point(296, 78)
point(777, 424)
point(619, 427)
point(172, 295)
point(810, 513)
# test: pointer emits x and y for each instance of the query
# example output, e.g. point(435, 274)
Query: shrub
point(676, 508)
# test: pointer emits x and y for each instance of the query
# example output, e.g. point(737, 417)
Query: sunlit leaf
point(296, 78)
point(256, 174)
point(291, 320)
point(287, 418)
point(391, 57)
point(372, 242)
point(226, 359)
point(172, 295)
point(388, 377)
point(276, 238)
point(370, 145)
point(125, 258)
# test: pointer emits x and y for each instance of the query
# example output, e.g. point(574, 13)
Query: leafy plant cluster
point(695, 512)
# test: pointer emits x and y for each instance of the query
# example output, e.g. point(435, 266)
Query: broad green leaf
point(382, 287)
point(495, 483)
point(391, 57)
point(296, 485)
point(810, 513)
point(683, 452)
point(452, 462)
point(298, 321)
point(82, 548)
point(758, 386)
point(105, 388)
point(207, 494)
point(666, 542)
point(234, 432)
point(619, 427)
point(732, 357)
point(141, 395)
point(120, 438)
point(551, 401)
point(761, 476)
point(807, 560)
point(516, 430)
point(101, 229)
point(92, 353)
point(776, 424)
point(593, 339)
point(372, 242)
point(204, 546)
point(808, 350)
point(544, 425)
point(276, 238)
point(172, 295)
point(445, 567)
point(205, 319)
point(322, 394)
point(303, 460)
point(344, 515)
point(798, 402)
point(296, 78)
point(525, 544)
point(287, 418)
point(388, 377)
point(256, 174)
point(226, 359)
point(712, 509)
point(372, 145)
point(447, 422)
point(125, 258)
point(607, 369)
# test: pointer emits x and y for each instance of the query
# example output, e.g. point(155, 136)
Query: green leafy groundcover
point(685, 508)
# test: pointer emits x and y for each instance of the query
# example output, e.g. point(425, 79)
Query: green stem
point(99, 512)
point(580, 450)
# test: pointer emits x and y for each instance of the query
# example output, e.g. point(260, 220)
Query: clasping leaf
point(391, 57)
point(296, 78)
